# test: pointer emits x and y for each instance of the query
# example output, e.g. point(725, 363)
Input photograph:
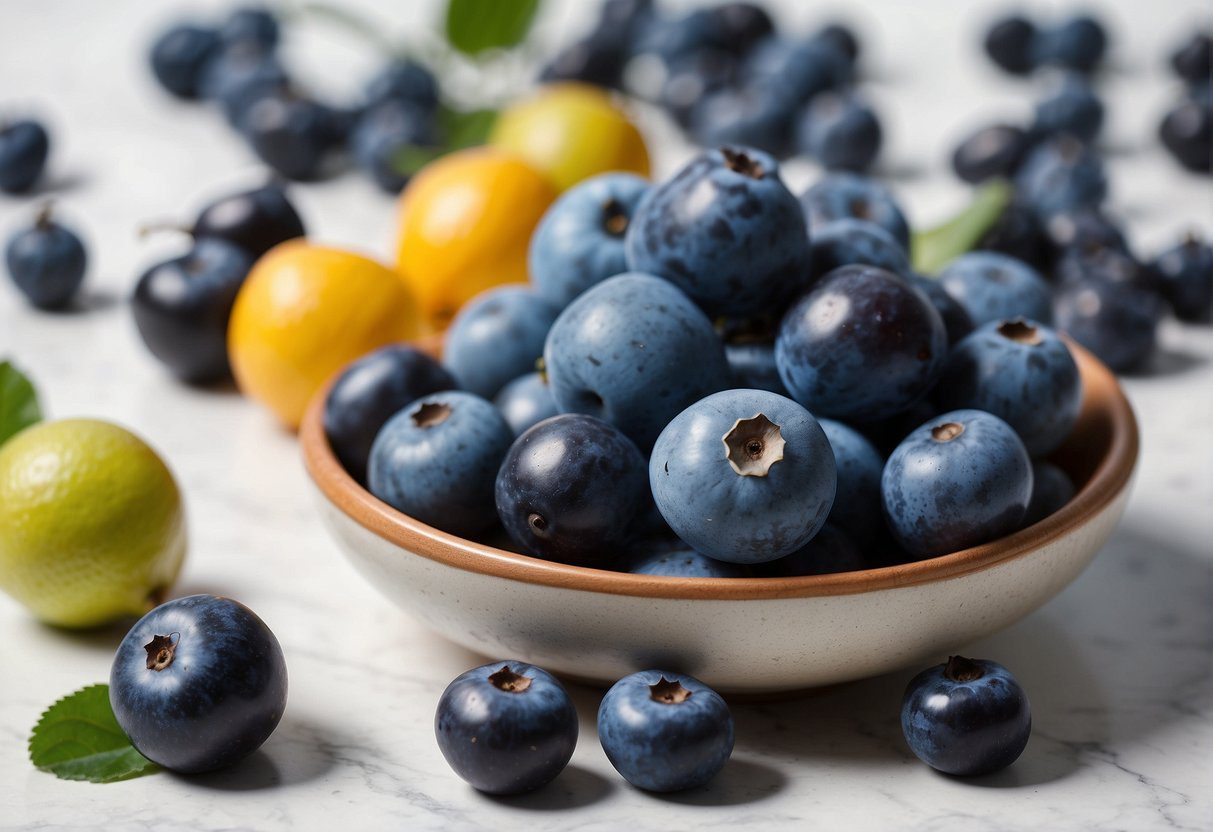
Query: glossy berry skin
point(496, 337)
point(570, 490)
point(863, 344)
point(372, 390)
point(830, 551)
point(1186, 279)
point(46, 262)
point(994, 287)
point(1187, 133)
point(526, 401)
point(382, 132)
point(403, 80)
point(1077, 44)
point(179, 56)
point(633, 351)
point(255, 220)
point(1021, 372)
point(684, 562)
point(253, 24)
point(24, 146)
point(967, 718)
point(752, 365)
point(841, 132)
point(859, 464)
point(961, 479)
point(291, 135)
point(852, 196)
point(1116, 322)
point(182, 306)
point(1072, 108)
point(804, 68)
point(218, 694)
point(1052, 488)
point(725, 230)
point(436, 461)
point(847, 242)
point(506, 727)
point(956, 319)
point(1009, 44)
point(989, 152)
point(580, 241)
point(1062, 175)
point(744, 476)
point(665, 746)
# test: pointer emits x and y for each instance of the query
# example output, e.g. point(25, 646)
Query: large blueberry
point(1062, 174)
point(198, 683)
point(506, 727)
point(436, 460)
point(526, 401)
point(1073, 108)
point(752, 364)
point(24, 146)
point(1052, 488)
point(1115, 321)
point(665, 732)
point(179, 55)
point(681, 561)
point(856, 507)
point(1186, 277)
point(745, 476)
point(803, 68)
point(967, 717)
point(46, 262)
point(580, 241)
point(993, 287)
point(996, 150)
point(830, 551)
point(840, 131)
point(863, 344)
point(383, 132)
point(497, 337)
point(725, 230)
point(962, 479)
point(256, 220)
point(372, 390)
point(571, 489)
point(847, 241)
point(633, 351)
point(852, 196)
point(956, 319)
point(1021, 372)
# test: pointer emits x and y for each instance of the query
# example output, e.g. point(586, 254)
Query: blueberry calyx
point(1020, 331)
point(614, 218)
point(960, 669)
point(740, 162)
point(431, 414)
point(161, 650)
point(509, 681)
point(669, 692)
point(538, 525)
point(753, 445)
point(946, 433)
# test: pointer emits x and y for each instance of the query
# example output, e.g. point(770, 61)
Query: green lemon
point(92, 528)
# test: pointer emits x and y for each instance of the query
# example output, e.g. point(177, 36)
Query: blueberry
point(436, 460)
point(405, 81)
point(840, 131)
point(840, 37)
point(1062, 174)
point(1187, 133)
point(829, 552)
point(506, 727)
point(694, 77)
point(852, 196)
point(383, 132)
point(592, 60)
point(182, 305)
point(961, 479)
point(633, 351)
point(46, 262)
point(886, 434)
point(725, 230)
point(1087, 230)
point(742, 25)
point(1186, 275)
point(993, 287)
point(497, 337)
point(1193, 59)
point(684, 562)
point(754, 114)
point(255, 220)
point(1078, 44)
point(803, 68)
point(863, 344)
point(253, 24)
point(994, 151)
point(752, 364)
point(179, 56)
point(291, 134)
point(372, 390)
point(233, 73)
point(1117, 322)
point(1073, 108)
point(1009, 43)
point(1021, 372)
point(665, 732)
point(198, 684)
point(580, 240)
point(744, 476)
point(1052, 488)
point(1108, 264)
point(847, 242)
point(570, 490)
point(24, 146)
point(526, 401)
point(857, 501)
point(956, 319)
point(968, 717)
point(674, 38)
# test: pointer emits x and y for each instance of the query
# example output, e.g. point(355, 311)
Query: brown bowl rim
point(1110, 477)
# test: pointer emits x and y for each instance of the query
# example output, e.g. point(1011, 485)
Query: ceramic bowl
point(742, 635)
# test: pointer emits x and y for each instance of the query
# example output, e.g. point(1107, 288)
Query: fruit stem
point(960, 669)
point(42, 220)
point(149, 228)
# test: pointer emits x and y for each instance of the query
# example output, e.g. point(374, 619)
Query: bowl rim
point(1111, 476)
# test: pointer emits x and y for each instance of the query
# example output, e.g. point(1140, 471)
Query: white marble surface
point(1119, 667)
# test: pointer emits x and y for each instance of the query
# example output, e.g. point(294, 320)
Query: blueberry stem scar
point(431, 414)
point(509, 681)
point(947, 431)
point(160, 652)
point(1019, 331)
point(960, 669)
point(668, 692)
point(741, 163)
point(753, 445)
point(614, 218)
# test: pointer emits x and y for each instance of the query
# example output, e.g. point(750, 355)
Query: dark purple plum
point(255, 220)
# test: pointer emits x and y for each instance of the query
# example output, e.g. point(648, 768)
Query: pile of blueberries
point(1187, 129)
point(236, 66)
point(727, 76)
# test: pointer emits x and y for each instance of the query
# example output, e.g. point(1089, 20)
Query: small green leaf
point(476, 26)
point(935, 248)
point(411, 158)
point(78, 738)
point(18, 402)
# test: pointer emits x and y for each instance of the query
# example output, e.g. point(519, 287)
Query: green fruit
point(92, 528)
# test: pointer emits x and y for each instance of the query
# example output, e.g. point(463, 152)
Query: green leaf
point(935, 248)
point(18, 402)
point(78, 738)
point(476, 26)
